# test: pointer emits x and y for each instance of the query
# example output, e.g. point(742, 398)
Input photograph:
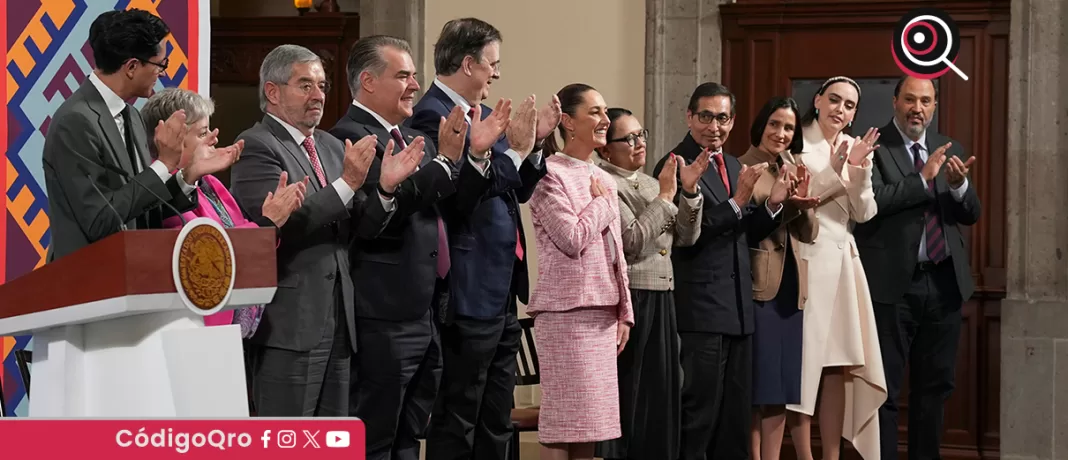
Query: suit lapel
point(733, 169)
point(329, 160)
point(108, 127)
point(294, 150)
point(140, 139)
point(895, 146)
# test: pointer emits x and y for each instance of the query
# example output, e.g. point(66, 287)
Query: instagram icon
point(287, 439)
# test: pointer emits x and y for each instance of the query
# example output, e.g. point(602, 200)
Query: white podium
point(118, 326)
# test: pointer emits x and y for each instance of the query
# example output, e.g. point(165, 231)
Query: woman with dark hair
point(842, 365)
point(581, 302)
point(779, 281)
point(650, 380)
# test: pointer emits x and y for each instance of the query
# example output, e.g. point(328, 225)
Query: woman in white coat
point(841, 361)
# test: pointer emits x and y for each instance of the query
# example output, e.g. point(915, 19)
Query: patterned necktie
point(309, 145)
point(443, 242)
point(936, 242)
point(722, 166)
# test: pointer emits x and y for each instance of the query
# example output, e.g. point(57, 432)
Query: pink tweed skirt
point(577, 363)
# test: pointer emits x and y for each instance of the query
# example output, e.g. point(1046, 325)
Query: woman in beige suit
point(650, 375)
point(841, 360)
point(780, 282)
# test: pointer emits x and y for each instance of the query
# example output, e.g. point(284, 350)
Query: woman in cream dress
point(841, 361)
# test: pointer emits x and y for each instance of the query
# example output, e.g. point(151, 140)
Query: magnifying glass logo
point(925, 44)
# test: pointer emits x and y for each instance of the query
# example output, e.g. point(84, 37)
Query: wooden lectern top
point(131, 263)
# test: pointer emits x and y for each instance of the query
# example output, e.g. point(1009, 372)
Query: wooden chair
point(525, 419)
point(23, 359)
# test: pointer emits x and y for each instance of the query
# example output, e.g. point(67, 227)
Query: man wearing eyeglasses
point(713, 300)
point(95, 127)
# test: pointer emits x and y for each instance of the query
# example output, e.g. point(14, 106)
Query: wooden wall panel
point(818, 39)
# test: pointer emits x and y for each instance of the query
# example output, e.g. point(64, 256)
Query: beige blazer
point(769, 257)
point(651, 226)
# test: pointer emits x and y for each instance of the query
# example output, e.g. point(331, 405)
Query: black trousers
point(716, 400)
point(315, 383)
point(922, 331)
point(472, 416)
point(396, 375)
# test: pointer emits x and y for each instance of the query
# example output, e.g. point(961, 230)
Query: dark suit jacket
point(313, 249)
point(79, 216)
point(396, 272)
point(483, 232)
point(714, 285)
point(889, 243)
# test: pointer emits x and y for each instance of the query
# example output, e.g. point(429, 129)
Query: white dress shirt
point(343, 190)
point(957, 193)
point(534, 158)
point(115, 106)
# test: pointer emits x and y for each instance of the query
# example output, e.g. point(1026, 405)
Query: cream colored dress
point(839, 323)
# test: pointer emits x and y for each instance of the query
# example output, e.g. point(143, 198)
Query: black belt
point(930, 266)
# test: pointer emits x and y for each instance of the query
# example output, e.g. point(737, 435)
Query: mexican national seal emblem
point(204, 266)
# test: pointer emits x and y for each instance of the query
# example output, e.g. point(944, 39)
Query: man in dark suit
point(481, 334)
point(917, 264)
point(95, 127)
point(713, 295)
point(401, 274)
point(301, 352)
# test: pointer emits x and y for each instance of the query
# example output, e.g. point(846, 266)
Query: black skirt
point(777, 343)
point(650, 383)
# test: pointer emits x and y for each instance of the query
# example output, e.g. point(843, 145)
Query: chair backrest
point(23, 359)
point(527, 361)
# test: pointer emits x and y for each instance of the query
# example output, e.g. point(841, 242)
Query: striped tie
point(936, 241)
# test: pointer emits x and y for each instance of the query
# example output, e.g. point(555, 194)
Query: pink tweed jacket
point(580, 248)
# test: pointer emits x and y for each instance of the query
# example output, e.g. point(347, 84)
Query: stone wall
point(1034, 338)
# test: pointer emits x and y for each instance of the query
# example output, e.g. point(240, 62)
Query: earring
point(850, 124)
point(572, 134)
point(817, 113)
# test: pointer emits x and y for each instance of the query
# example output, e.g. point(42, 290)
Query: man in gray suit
point(302, 351)
point(96, 145)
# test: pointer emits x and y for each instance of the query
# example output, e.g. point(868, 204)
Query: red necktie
point(443, 242)
point(309, 145)
point(718, 158)
point(936, 241)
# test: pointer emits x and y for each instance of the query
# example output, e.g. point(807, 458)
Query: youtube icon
point(337, 439)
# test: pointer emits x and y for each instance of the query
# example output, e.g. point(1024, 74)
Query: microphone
point(130, 178)
point(122, 224)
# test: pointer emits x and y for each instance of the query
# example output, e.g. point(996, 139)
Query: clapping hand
point(396, 168)
point(691, 173)
point(549, 118)
point(206, 159)
point(958, 171)
point(782, 188)
point(522, 129)
point(484, 133)
point(596, 189)
point(668, 182)
point(357, 162)
point(800, 198)
point(863, 147)
point(747, 179)
point(452, 133)
point(285, 199)
point(169, 138)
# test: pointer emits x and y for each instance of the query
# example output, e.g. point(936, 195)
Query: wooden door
point(775, 48)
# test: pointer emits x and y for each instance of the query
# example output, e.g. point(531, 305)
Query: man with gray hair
point(403, 274)
point(302, 351)
point(480, 337)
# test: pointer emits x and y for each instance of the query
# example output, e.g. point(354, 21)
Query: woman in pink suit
point(581, 303)
point(214, 200)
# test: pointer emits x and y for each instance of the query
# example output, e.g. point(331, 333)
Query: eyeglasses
point(632, 138)
point(306, 87)
point(161, 67)
point(721, 118)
